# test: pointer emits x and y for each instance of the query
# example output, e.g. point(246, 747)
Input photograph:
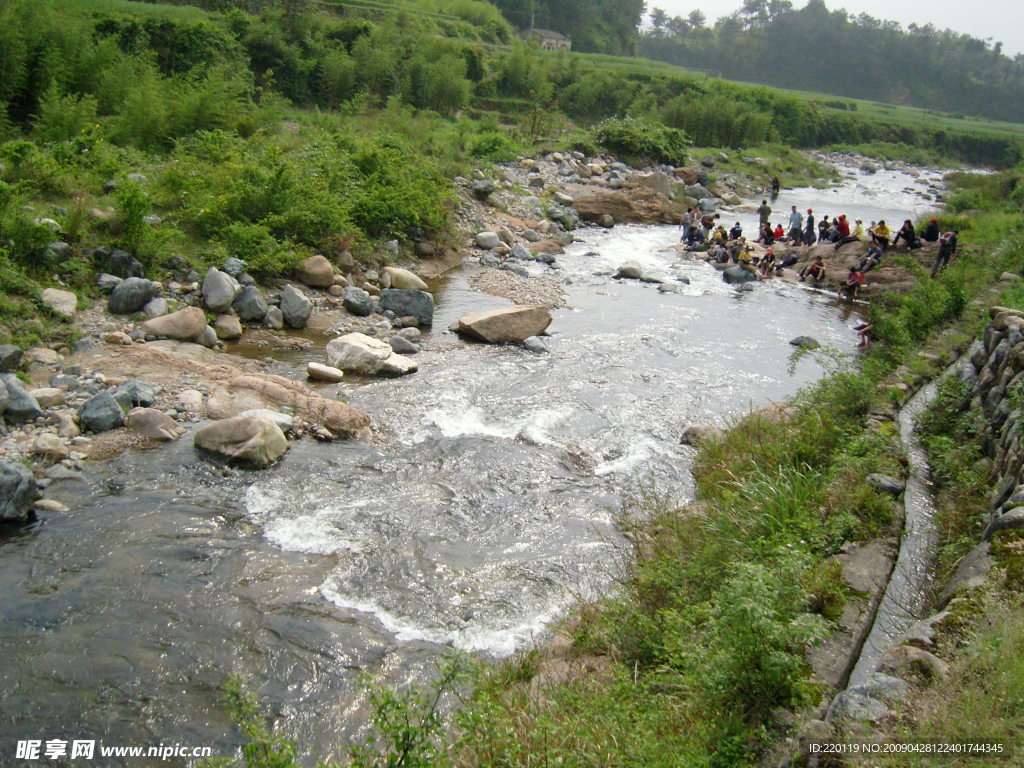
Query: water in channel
point(484, 509)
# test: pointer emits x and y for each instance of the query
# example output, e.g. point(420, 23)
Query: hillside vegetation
point(833, 51)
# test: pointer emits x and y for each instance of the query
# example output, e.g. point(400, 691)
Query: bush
point(644, 139)
point(493, 146)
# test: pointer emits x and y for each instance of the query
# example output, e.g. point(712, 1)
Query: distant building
point(549, 40)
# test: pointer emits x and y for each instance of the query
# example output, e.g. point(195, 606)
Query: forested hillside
point(832, 51)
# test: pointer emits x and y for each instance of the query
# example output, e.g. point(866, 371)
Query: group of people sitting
point(704, 232)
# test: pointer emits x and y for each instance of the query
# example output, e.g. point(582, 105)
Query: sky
point(1001, 20)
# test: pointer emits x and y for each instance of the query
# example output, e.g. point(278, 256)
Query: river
point(485, 509)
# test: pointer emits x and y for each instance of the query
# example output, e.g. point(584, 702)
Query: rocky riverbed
point(476, 501)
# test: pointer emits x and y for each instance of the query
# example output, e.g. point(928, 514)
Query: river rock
point(296, 307)
point(153, 424)
point(62, 302)
point(219, 290)
point(50, 447)
point(1012, 519)
point(658, 181)
point(48, 397)
point(67, 423)
point(536, 345)
point(250, 304)
point(186, 324)
point(10, 357)
point(21, 406)
point(283, 420)
point(316, 272)
point(511, 324)
point(396, 277)
point(100, 413)
point(18, 489)
point(885, 483)
point(227, 327)
point(488, 240)
point(321, 372)
point(359, 353)
point(274, 319)
point(251, 391)
point(43, 355)
point(686, 175)
point(357, 301)
point(520, 251)
point(233, 267)
point(695, 434)
point(130, 296)
point(4, 399)
point(408, 303)
point(738, 275)
point(252, 440)
point(108, 283)
point(156, 307)
point(134, 393)
point(402, 345)
point(807, 342)
point(208, 338)
point(122, 264)
point(631, 269)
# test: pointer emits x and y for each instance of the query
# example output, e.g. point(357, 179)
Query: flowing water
point(486, 507)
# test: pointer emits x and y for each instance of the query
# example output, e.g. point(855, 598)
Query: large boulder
point(686, 175)
point(252, 440)
point(250, 305)
point(18, 490)
point(357, 301)
point(296, 307)
point(130, 296)
point(658, 181)
point(219, 290)
point(636, 205)
point(738, 275)
point(359, 353)
point(408, 303)
point(186, 324)
point(255, 391)
point(316, 272)
point(153, 424)
point(100, 413)
point(62, 302)
point(134, 393)
point(21, 406)
point(488, 240)
point(500, 326)
point(10, 357)
point(396, 277)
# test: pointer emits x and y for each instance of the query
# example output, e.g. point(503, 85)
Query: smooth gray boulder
point(156, 307)
point(488, 240)
point(18, 489)
point(357, 301)
point(631, 270)
point(153, 424)
point(100, 413)
point(885, 483)
point(21, 406)
point(408, 303)
point(219, 290)
point(805, 341)
point(250, 305)
point(402, 345)
point(252, 440)
point(738, 275)
point(130, 296)
point(295, 307)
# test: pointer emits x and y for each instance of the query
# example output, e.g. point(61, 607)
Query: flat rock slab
point(508, 325)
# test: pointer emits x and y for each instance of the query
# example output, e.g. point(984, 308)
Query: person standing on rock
point(809, 234)
point(764, 213)
point(823, 227)
point(796, 226)
point(947, 247)
point(686, 222)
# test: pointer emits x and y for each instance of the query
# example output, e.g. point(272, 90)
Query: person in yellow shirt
point(880, 234)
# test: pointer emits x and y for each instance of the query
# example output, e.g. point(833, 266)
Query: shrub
point(642, 138)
